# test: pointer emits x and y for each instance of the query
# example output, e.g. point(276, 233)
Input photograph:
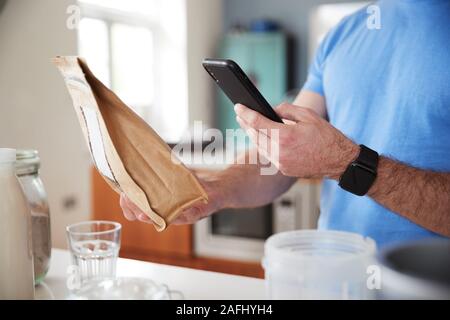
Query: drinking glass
point(94, 246)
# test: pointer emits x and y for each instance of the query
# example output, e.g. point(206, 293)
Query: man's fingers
point(144, 218)
point(257, 137)
point(131, 211)
point(128, 214)
point(294, 113)
point(288, 111)
point(126, 211)
point(132, 206)
point(262, 142)
point(255, 119)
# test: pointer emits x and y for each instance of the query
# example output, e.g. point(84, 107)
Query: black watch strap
point(361, 173)
point(368, 158)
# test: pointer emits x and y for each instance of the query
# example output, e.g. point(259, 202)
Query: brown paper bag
point(131, 157)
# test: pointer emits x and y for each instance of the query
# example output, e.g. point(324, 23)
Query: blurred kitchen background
point(149, 52)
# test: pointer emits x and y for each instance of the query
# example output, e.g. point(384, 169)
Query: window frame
point(110, 16)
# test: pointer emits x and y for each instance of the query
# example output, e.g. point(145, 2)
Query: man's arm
point(421, 196)
point(314, 148)
point(244, 186)
point(238, 186)
point(313, 101)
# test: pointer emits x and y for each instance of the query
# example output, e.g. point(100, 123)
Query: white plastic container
point(16, 256)
point(314, 264)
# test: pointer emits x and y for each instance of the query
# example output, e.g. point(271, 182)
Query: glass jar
point(27, 170)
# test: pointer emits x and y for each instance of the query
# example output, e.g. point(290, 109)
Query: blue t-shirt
point(388, 89)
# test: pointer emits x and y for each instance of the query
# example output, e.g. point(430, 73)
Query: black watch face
point(357, 179)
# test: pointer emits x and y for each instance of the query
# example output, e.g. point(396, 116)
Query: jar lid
point(22, 154)
point(7, 155)
point(27, 161)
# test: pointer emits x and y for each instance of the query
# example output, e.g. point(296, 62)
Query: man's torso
point(390, 90)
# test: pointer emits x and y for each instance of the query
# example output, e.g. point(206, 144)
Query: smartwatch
point(361, 173)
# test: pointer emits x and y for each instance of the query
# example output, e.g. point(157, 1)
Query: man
point(387, 89)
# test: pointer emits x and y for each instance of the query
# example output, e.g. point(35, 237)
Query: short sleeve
point(314, 81)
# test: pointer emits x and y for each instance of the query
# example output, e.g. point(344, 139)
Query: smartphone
point(238, 87)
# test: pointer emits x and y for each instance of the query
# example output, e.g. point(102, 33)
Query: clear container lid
point(123, 289)
point(316, 246)
point(27, 161)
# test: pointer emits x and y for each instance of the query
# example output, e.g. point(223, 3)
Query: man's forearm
point(244, 186)
point(419, 195)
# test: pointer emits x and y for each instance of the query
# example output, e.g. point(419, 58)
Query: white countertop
point(194, 284)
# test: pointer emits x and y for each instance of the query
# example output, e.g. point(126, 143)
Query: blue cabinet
point(262, 56)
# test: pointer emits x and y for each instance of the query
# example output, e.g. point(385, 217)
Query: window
point(137, 48)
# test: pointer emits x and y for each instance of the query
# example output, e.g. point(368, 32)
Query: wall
point(204, 30)
point(293, 15)
point(36, 111)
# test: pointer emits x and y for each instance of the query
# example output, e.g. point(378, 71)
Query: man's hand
point(189, 215)
point(308, 147)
